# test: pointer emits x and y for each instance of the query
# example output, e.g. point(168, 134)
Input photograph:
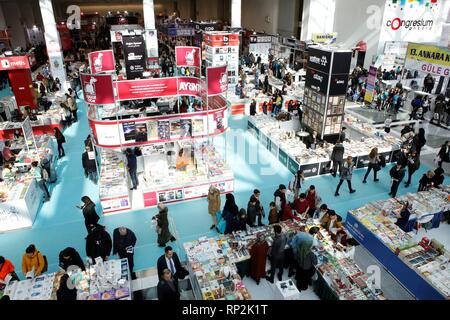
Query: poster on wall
point(175, 128)
point(217, 80)
point(188, 57)
point(186, 128)
point(129, 130)
point(97, 89)
point(102, 61)
point(151, 42)
point(370, 86)
point(135, 56)
point(28, 133)
point(141, 132)
point(428, 59)
point(152, 130)
point(164, 130)
point(413, 21)
point(198, 127)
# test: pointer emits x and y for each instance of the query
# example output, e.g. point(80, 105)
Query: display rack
point(325, 89)
point(109, 280)
point(421, 268)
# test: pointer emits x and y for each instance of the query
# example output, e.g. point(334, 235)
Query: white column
point(53, 42)
point(236, 12)
point(149, 14)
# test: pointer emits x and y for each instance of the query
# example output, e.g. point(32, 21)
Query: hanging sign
point(102, 61)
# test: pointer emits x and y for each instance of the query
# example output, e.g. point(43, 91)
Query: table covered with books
point(110, 280)
point(422, 268)
point(20, 196)
point(215, 274)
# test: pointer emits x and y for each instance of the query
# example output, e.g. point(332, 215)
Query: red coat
point(258, 254)
point(300, 206)
point(311, 199)
point(288, 215)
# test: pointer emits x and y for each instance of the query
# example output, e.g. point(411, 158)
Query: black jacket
point(74, 259)
point(277, 251)
point(444, 153)
point(132, 162)
point(90, 215)
point(88, 165)
point(425, 183)
point(98, 243)
point(120, 243)
point(338, 152)
point(397, 174)
point(310, 140)
point(165, 292)
point(162, 264)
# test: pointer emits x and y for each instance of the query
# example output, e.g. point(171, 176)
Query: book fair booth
point(171, 120)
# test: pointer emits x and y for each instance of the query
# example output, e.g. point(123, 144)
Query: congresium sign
point(428, 59)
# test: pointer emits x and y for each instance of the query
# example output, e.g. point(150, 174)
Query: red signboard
point(189, 86)
point(158, 87)
point(217, 80)
point(146, 88)
point(102, 61)
point(188, 57)
point(222, 39)
point(14, 63)
point(97, 89)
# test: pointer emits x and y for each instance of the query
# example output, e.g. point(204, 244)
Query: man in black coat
point(124, 241)
point(70, 257)
point(397, 174)
point(89, 165)
point(169, 260)
point(98, 243)
point(277, 254)
point(168, 287)
point(337, 156)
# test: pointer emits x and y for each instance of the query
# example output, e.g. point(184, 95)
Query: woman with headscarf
point(230, 213)
point(162, 226)
point(306, 261)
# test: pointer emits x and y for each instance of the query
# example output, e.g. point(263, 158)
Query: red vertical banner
point(97, 89)
point(22, 86)
point(188, 57)
point(217, 80)
point(102, 61)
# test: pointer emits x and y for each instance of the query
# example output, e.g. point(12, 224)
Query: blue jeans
point(134, 178)
point(93, 176)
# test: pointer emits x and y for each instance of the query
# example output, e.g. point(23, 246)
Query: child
point(273, 214)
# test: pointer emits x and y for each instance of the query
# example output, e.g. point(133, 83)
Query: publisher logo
point(419, 24)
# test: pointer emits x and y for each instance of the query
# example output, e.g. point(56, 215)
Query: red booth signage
point(217, 80)
point(102, 61)
point(14, 63)
point(97, 89)
point(157, 88)
point(188, 57)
